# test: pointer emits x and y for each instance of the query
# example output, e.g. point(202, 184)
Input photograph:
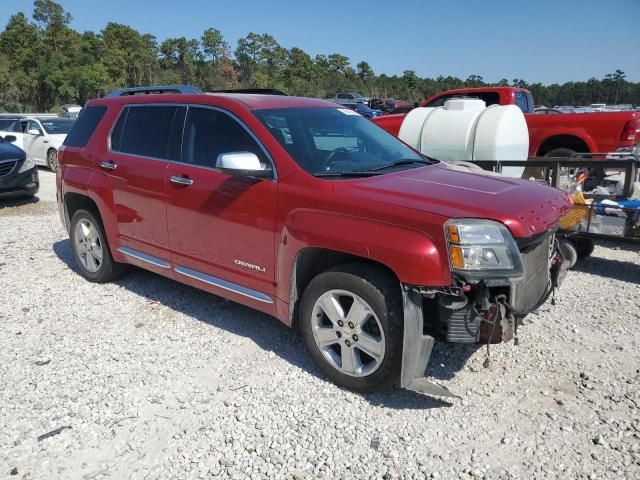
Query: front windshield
point(55, 126)
point(335, 141)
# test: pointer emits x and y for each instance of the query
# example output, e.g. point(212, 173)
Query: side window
point(10, 126)
point(145, 131)
point(116, 134)
point(490, 98)
point(85, 126)
point(521, 101)
point(209, 133)
point(439, 102)
point(32, 125)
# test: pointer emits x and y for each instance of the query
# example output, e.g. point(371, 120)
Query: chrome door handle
point(181, 180)
point(108, 165)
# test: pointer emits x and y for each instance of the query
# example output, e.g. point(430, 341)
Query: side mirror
point(33, 131)
point(245, 164)
point(10, 138)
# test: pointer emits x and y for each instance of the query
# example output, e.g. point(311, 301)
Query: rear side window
point(144, 131)
point(85, 126)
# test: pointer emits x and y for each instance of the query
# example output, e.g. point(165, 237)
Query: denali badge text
point(257, 268)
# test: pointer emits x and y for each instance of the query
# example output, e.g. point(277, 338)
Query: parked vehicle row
point(363, 110)
point(305, 210)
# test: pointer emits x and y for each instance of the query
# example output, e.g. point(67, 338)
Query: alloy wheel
point(88, 245)
point(348, 333)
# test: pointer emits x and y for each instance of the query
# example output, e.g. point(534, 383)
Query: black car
point(18, 176)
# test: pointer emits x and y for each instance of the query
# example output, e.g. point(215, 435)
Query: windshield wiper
point(360, 173)
point(399, 163)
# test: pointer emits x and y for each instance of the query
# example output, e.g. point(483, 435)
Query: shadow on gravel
point(266, 331)
point(609, 268)
point(17, 202)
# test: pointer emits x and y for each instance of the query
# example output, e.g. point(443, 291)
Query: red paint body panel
point(600, 131)
point(221, 218)
point(395, 219)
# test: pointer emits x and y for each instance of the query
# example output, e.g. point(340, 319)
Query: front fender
point(411, 255)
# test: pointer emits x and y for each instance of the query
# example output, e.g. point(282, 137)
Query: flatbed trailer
point(605, 215)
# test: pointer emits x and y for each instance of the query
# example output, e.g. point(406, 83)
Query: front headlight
point(482, 249)
point(28, 164)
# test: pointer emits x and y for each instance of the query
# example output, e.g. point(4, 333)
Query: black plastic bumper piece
point(25, 184)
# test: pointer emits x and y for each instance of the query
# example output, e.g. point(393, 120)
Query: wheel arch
point(571, 141)
point(311, 261)
point(74, 201)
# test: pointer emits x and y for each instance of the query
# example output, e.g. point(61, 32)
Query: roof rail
point(260, 91)
point(183, 89)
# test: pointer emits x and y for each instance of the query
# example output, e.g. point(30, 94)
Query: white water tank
point(465, 129)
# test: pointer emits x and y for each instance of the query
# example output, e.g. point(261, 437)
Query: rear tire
point(91, 250)
point(560, 153)
point(351, 320)
point(52, 159)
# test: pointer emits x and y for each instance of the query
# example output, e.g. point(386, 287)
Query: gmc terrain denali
point(309, 212)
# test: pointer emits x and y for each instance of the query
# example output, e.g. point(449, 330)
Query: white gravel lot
point(156, 380)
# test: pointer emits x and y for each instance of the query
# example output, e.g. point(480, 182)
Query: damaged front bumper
point(482, 311)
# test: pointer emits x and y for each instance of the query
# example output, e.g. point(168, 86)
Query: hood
point(10, 151)
point(526, 207)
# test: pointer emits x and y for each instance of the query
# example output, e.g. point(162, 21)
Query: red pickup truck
point(307, 211)
point(559, 135)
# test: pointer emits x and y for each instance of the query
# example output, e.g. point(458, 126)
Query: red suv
point(311, 213)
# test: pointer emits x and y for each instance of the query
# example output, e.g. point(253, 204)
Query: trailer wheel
point(569, 251)
point(584, 247)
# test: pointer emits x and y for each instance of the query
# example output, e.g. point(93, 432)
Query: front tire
point(351, 320)
point(91, 250)
point(52, 160)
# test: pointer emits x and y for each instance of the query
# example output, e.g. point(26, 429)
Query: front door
point(142, 143)
point(221, 227)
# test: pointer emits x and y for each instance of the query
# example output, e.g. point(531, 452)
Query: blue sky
point(538, 40)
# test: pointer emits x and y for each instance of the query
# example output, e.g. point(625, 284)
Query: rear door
point(141, 146)
point(221, 227)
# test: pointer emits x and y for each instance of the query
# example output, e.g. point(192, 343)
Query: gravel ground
point(150, 379)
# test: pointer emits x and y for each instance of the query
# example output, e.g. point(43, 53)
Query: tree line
point(44, 63)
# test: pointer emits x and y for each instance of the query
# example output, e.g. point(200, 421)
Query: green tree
point(364, 70)
point(213, 44)
point(616, 78)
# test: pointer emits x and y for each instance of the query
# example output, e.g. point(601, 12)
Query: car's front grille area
point(7, 166)
point(531, 290)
